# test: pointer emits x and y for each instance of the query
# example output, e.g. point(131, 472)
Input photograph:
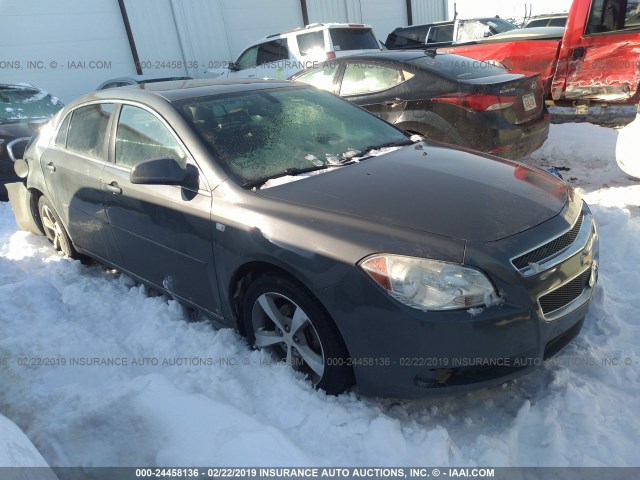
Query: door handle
point(394, 102)
point(113, 188)
point(51, 167)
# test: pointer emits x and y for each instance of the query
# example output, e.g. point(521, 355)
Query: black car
point(273, 207)
point(444, 97)
point(441, 34)
point(23, 109)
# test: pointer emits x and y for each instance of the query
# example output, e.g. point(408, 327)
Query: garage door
point(56, 45)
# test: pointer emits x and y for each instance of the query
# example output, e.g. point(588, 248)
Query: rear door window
point(557, 22)
point(322, 78)
point(441, 34)
point(88, 130)
point(353, 39)
point(362, 78)
point(537, 23)
point(273, 51)
point(311, 43)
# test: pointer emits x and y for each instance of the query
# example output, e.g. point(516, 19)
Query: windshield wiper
point(347, 161)
point(288, 172)
point(363, 154)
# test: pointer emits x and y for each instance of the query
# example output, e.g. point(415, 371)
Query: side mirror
point(159, 171)
point(233, 66)
point(16, 148)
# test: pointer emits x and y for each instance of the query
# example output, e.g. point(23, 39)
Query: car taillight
point(331, 55)
point(479, 102)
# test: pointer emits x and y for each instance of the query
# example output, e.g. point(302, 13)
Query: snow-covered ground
point(195, 407)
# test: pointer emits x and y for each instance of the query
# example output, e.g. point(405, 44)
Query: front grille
point(550, 248)
point(564, 295)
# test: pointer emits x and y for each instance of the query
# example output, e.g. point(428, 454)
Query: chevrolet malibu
point(352, 251)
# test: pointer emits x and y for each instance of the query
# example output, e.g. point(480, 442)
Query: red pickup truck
point(596, 58)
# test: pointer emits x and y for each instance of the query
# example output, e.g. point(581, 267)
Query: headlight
point(429, 284)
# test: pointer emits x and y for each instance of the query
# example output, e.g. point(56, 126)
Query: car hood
point(435, 189)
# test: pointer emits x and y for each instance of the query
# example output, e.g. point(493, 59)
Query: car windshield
point(21, 103)
point(353, 39)
point(265, 134)
point(457, 67)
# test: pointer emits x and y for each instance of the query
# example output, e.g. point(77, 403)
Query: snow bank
point(584, 154)
point(16, 450)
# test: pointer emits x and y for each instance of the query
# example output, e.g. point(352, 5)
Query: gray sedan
point(353, 252)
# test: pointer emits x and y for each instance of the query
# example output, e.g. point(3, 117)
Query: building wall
point(67, 47)
point(429, 11)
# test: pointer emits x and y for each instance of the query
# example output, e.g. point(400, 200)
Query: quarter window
point(88, 130)
point(61, 138)
point(311, 43)
point(361, 78)
point(142, 136)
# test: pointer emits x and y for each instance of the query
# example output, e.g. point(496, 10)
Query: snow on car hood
point(435, 189)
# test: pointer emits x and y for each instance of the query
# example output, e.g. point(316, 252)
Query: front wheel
point(283, 317)
point(54, 229)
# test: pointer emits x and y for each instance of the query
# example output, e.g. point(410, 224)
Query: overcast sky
point(506, 8)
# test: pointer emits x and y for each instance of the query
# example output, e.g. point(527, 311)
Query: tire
point(280, 315)
point(54, 229)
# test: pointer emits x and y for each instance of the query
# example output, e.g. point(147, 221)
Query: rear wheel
point(54, 229)
point(281, 316)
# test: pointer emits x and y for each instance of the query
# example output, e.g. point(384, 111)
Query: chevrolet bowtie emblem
point(586, 257)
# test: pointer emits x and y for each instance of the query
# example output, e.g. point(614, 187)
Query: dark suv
point(445, 33)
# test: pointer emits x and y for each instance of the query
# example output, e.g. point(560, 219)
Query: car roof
point(314, 27)
point(548, 16)
point(526, 33)
point(176, 90)
point(396, 57)
point(448, 22)
point(389, 56)
point(132, 79)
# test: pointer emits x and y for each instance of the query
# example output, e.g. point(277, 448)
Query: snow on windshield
point(471, 30)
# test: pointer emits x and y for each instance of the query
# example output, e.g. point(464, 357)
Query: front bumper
point(398, 351)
